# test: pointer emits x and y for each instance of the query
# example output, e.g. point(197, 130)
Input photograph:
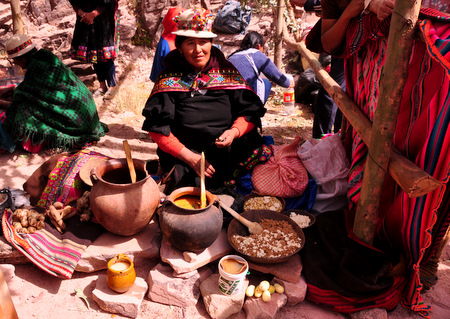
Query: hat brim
point(195, 34)
point(22, 52)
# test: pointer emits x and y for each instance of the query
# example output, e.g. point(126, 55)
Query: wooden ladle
point(129, 161)
point(253, 227)
point(202, 182)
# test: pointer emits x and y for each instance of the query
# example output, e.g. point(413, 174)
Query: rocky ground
point(38, 295)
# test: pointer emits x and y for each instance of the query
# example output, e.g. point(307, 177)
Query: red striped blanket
point(55, 253)
point(421, 134)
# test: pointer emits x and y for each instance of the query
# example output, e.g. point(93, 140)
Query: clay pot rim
point(191, 190)
point(99, 170)
point(119, 258)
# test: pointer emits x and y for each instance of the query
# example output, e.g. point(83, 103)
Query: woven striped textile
point(55, 253)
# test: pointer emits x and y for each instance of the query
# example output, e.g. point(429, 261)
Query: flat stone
point(142, 246)
point(183, 262)
point(256, 308)
point(10, 255)
point(219, 305)
point(126, 304)
point(295, 292)
point(7, 271)
point(240, 315)
point(374, 313)
point(289, 270)
point(167, 289)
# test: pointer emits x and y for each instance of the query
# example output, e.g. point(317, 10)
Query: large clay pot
point(122, 207)
point(190, 229)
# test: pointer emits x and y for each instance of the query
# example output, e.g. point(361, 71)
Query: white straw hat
point(196, 23)
point(18, 45)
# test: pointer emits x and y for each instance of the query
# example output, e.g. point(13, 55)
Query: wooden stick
point(412, 179)
point(129, 161)
point(393, 78)
point(202, 182)
point(7, 309)
point(279, 34)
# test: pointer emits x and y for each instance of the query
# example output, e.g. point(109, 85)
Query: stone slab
point(139, 247)
point(183, 262)
point(289, 270)
point(126, 304)
point(219, 305)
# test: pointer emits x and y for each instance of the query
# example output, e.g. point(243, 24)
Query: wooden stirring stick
point(129, 161)
point(202, 182)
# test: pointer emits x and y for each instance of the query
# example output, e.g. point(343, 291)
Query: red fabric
point(169, 144)
point(243, 126)
point(283, 174)
point(170, 26)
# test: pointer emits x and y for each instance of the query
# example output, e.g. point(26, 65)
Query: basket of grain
point(301, 217)
point(281, 237)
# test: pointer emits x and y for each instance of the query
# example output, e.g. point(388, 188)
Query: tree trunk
point(395, 71)
point(17, 17)
point(279, 34)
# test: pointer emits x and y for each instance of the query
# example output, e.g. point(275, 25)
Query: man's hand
point(382, 8)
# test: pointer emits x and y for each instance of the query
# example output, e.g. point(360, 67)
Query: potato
point(250, 291)
point(271, 289)
point(258, 292)
point(264, 285)
point(279, 288)
point(266, 296)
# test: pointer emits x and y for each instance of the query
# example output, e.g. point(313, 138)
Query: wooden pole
point(395, 71)
point(412, 179)
point(16, 17)
point(7, 309)
point(279, 35)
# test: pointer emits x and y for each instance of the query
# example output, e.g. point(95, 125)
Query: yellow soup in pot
point(189, 202)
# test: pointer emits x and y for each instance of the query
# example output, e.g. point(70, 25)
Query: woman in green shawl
point(51, 107)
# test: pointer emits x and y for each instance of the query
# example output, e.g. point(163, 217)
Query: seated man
point(51, 106)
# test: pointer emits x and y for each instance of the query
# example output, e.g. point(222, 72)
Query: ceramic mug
point(120, 274)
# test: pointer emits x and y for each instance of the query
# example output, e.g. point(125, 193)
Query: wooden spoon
point(202, 182)
point(129, 161)
point(253, 227)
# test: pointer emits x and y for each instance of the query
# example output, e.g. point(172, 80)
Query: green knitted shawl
point(52, 104)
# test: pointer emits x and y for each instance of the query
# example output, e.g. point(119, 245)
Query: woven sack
point(283, 174)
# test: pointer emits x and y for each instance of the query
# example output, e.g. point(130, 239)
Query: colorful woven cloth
point(53, 105)
point(422, 134)
point(64, 184)
point(58, 254)
point(52, 252)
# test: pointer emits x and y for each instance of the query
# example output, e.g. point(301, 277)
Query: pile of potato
point(27, 221)
point(264, 290)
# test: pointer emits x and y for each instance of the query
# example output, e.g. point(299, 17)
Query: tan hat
point(18, 45)
point(195, 23)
